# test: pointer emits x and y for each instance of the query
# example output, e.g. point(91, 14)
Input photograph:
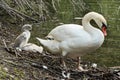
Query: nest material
point(51, 65)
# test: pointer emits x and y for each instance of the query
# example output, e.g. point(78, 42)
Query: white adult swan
point(75, 40)
point(21, 42)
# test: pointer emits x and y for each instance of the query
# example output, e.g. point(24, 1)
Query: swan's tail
point(50, 45)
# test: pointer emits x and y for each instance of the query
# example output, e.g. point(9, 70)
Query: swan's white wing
point(66, 31)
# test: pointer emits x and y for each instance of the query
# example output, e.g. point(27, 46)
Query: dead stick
point(17, 12)
point(115, 67)
point(5, 45)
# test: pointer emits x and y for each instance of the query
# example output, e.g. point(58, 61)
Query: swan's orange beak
point(104, 28)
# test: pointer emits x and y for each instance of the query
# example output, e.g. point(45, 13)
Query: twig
point(11, 62)
point(12, 11)
point(5, 45)
point(14, 63)
point(17, 12)
point(115, 67)
point(17, 53)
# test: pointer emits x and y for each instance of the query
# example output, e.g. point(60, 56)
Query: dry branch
point(5, 45)
point(12, 12)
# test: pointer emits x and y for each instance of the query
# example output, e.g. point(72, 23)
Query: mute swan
point(75, 40)
point(21, 42)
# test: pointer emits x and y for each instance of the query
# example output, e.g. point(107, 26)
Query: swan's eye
point(103, 25)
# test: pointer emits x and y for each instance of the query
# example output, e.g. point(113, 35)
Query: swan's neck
point(88, 27)
point(95, 33)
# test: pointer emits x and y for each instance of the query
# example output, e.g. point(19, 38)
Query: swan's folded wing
point(66, 31)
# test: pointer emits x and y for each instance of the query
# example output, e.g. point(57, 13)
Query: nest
point(51, 65)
